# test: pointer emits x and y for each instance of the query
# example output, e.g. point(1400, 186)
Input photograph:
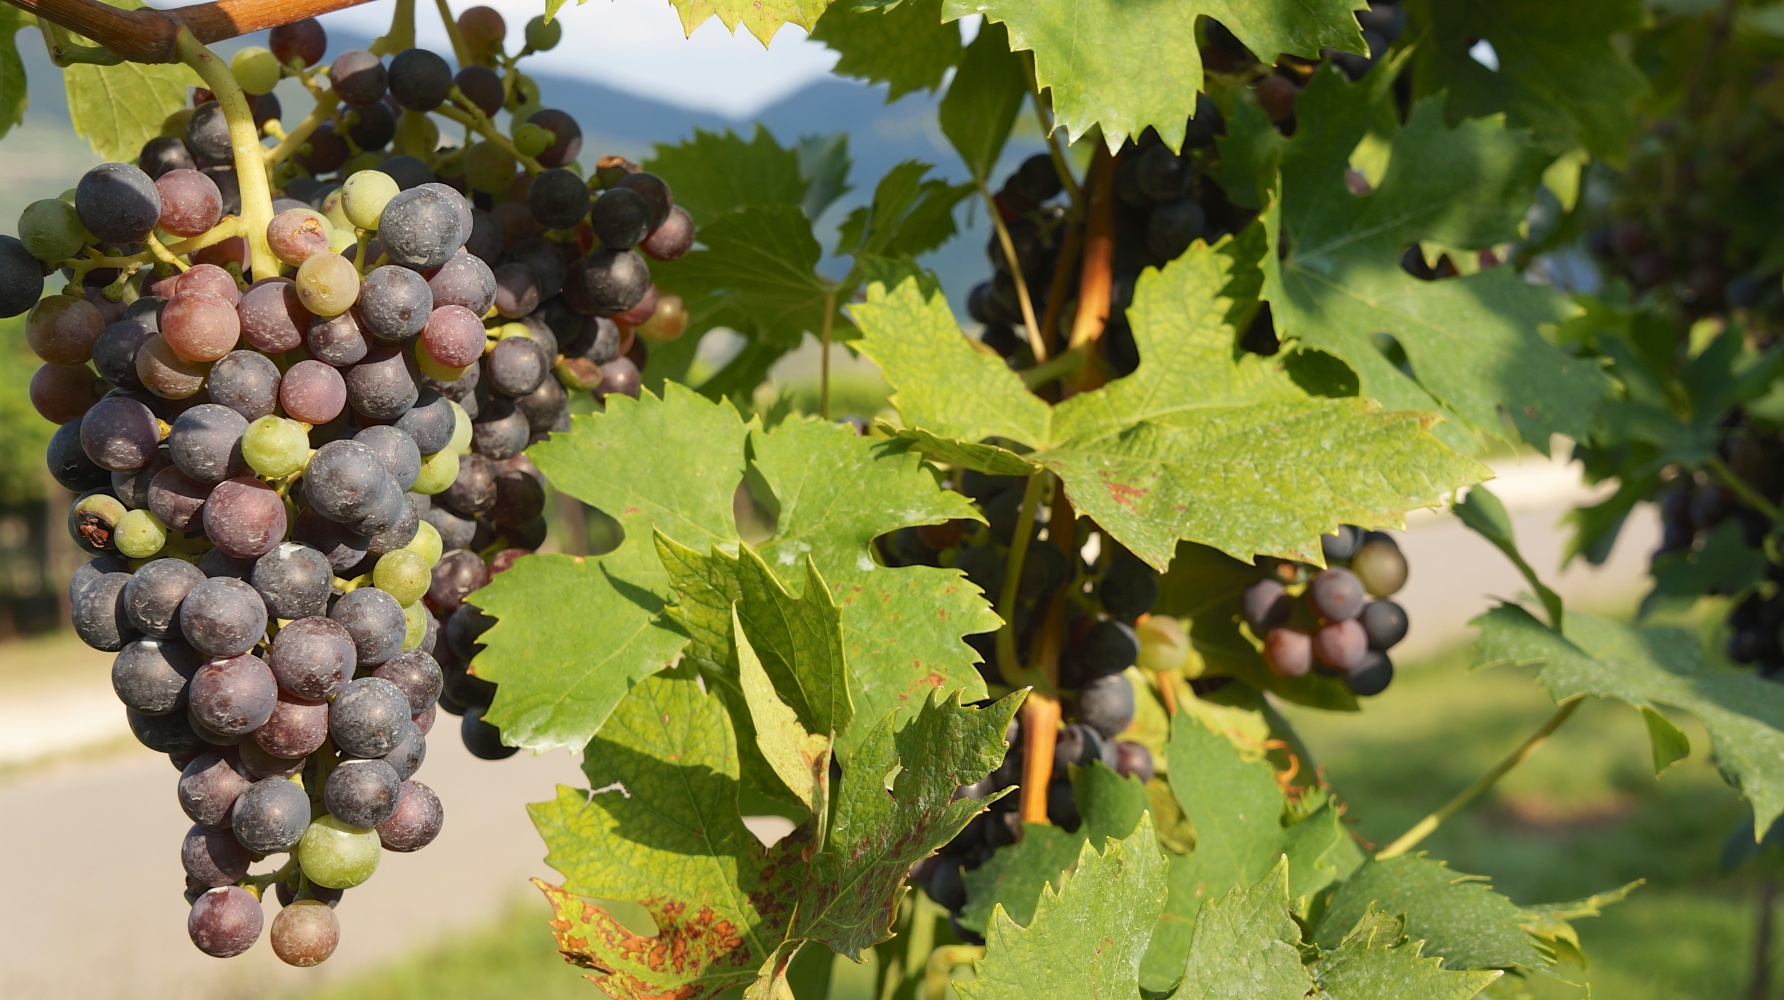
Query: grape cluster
point(1105, 628)
point(1166, 201)
point(1344, 624)
point(290, 483)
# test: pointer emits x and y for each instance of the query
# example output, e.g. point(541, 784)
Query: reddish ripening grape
point(62, 329)
point(200, 325)
point(190, 202)
point(1340, 645)
point(304, 41)
point(225, 922)
point(61, 393)
point(1336, 595)
point(305, 933)
point(453, 336)
point(165, 373)
point(313, 392)
point(1289, 652)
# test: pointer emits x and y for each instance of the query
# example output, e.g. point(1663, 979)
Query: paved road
point(93, 878)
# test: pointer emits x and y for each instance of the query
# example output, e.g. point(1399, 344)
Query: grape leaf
point(1650, 668)
point(13, 85)
point(1012, 879)
point(1137, 454)
point(824, 164)
point(1459, 917)
point(800, 758)
point(714, 173)
point(906, 47)
point(1246, 944)
point(1482, 513)
point(908, 215)
point(981, 104)
point(1723, 564)
point(1375, 960)
point(1559, 72)
point(761, 18)
point(1237, 809)
point(1085, 940)
point(1089, 52)
point(759, 265)
point(901, 627)
point(664, 831)
point(854, 884)
point(1334, 281)
point(572, 634)
point(671, 839)
point(118, 108)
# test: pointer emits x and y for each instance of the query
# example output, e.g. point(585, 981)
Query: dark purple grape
point(416, 821)
point(654, 192)
point(423, 227)
point(559, 200)
point(338, 341)
point(223, 617)
point(1336, 595)
point(429, 423)
point(474, 491)
point(117, 203)
point(366, 719)
point(245, 517)
point(1384, 622)
point(566, 140)
point(456, 576)
point(97, 611)
point(233, 696)
point(419, 79)
point(177, 499)
point(672, 239)
point(1265, 605)
point(1106, 704)
point(150, 675)
point(362, 793)
point(270, 817)
point(68, 461)
point(297, 728)
point(120, 434)
point(417, 675)
point(1340, 644)
point(225, 921)
point(482, 739)
point(359, 77)
point(294, 580)
point(207, 134)
point(206, 441)
point(344, 481)
point(114, 353)
point(376, 624)
point(153, 596)
point(208, 788)
point(213, 857)
point(607, 281)
point(1371, 676)
point(164, 153)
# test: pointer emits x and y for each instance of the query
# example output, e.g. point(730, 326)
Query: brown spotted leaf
point(1203, 442)
point(663, 830)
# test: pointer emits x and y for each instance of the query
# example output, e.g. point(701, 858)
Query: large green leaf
point(1086, 939)
point(853, 886)
point(981, 104)
point(908, 215)
point(664, 831)
point(1559, 71)
point(12, 69)
point(671, 839)
point(796, 755)
point(1376, 961)
point(1334, 281)
point(906, 46)
point(1459, 917)
point(1011, 880)
point(1247, 944)
point(1652, 668)
point(1124, 65)
point(574, 634)
point(759, 263)
point(1185, 446)
point(1238, 811)
point(1723, 564)
point(761, 18)
point(902, 627)
point(118, 108)
point(714, 173)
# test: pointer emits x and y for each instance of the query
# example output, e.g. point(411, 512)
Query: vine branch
point(1427, 826)
point(244, 139)
point(152, 36)
point(1035, 343)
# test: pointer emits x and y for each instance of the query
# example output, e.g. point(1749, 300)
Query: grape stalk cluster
point(290, 483)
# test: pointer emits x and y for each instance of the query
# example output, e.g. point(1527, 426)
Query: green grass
point(1583, 815)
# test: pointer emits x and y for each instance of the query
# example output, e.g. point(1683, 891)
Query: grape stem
point(942, 962)
point(284, 872)
point(824, 358)
point(1720, 471)
point(472, 117)
point(1035, 344)
point(461, 53)
point(1425, 827)
point(244, 137)
point(1049, 132)
point(1061, 366)
point(294, 140)
point(229, 228)
point(401, 35)
point(1013, 673)
point(162, 254)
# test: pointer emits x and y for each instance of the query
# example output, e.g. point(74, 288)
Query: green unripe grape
point(437, 472)
point(435, 370)
point(275, 447)
point(1381, 567)
point(1164, 645)
point(416, 134)
point(334, 211)
point(140, 534)
point(96, 518)
point(532, 139)
point(414, 624)
point(340, 238)
point(52, 230)
point(489, 168)
point(543, 35)
point(337, 856)
point(327, 284)
point(256, 69)
point(427, 543)
point(524, 94)
point(368, 160)
point(364, 196)
point(403, 575)
point(461, 430)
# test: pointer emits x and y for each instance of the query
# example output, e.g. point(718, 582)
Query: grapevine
point(1004, 649)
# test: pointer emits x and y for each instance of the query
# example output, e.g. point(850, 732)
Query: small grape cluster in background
point(290, 483)
point(1344, 623)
